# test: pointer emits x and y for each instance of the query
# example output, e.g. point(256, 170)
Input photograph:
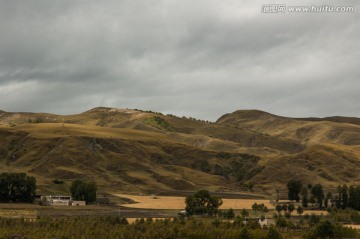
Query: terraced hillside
point(132, 151)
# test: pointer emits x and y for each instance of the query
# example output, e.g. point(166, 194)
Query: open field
point(166, 202)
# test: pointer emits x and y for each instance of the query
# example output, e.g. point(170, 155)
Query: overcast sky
point(200, 58)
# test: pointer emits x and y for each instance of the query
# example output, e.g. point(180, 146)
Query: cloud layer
point(196, 58)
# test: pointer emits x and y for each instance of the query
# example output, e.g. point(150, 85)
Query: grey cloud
point(201, 58)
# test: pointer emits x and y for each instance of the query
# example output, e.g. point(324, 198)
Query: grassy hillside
point(304, 132)
point(337, 119)
point(133, 151)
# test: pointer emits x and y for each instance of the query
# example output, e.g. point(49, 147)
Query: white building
point(61, 200)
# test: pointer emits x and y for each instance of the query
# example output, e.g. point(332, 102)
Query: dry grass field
point(165, 202)
point(315, 212)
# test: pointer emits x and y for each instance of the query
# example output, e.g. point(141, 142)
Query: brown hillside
point(132, 151)
point(305, 132)
point(337, 119)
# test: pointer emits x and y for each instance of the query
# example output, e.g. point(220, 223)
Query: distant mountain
point(128, 150)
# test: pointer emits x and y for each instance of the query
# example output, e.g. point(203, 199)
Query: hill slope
point(136, 151)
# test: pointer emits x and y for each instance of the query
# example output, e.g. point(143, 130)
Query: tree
point(354, 197)
point(90, 189)
point(325, 230)
point(85, 191)
point(278, 208)
point(327, 199)
point(17, 187)
point(291, 208)
point(299, 210)
point(244, 233)
point(255, 207)
point(344, 196)
point(318, 193)
point(294, 187)
point(202, 203)
point(244, 213)
point(273, 234)
point(338, 197)
point(304, 197)
point(228, 214)
point(281, 222)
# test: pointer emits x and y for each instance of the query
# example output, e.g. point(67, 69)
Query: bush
point(57, 181)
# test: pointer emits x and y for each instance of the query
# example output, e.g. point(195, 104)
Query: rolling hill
point(134, 151)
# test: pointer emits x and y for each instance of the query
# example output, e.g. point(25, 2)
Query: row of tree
point(347, 197)
point(295, 187)
point(17, 187)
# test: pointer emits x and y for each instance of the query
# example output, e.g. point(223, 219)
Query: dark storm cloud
point(195, 58)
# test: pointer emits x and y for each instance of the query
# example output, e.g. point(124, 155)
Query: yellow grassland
point(166, 202)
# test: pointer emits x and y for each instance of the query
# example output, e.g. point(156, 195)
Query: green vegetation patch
point(36, 120)
point(159, 123)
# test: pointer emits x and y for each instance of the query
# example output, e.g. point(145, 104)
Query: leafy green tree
point(228, 214)
point(354, 197)
point(338, 197)
point(304, 197)
point(299, 210)
point(344, 196)
point(85, 191)
point(255, 207)
point(17, 187)
point(278, 208)
point(294, 187)
point(244, 213)
point(328, 198)
point(244, 234)
point(273, 234)
point(281, 222)
point(202, 203)
point(313, 220)
point(325, 230)
point(291, 208)
point(90, 189)
point(318, 193)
